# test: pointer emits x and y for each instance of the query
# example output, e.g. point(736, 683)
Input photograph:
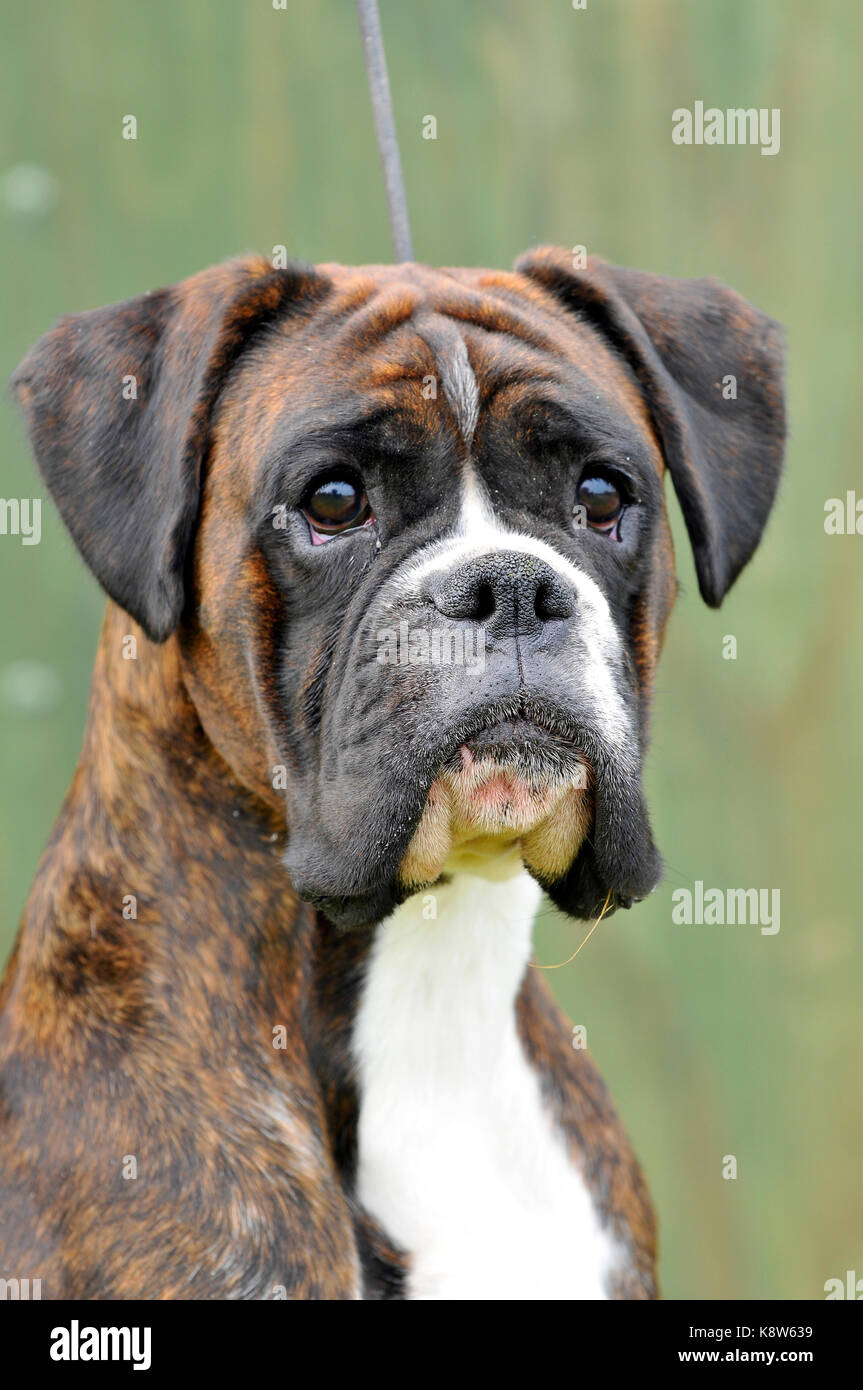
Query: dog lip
point(507, 744)
point(517, 730)
point(524, 717)
point(517, 747)
point(521, 725)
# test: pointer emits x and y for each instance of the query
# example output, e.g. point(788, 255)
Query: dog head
point(409, 531)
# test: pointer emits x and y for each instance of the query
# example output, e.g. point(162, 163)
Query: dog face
point(409, 529)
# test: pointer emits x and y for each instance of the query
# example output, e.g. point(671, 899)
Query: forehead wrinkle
point(590, 426)
point(494, 315)
point(377, 318)
point(584, 377)
point(347, 298)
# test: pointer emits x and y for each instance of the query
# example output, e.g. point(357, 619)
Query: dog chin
point(507, 793)
point(496, 808)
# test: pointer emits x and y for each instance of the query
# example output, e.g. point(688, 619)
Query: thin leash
point(560, 964)
point(385, 127)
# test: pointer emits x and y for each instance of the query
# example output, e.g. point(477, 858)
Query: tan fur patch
point(484, 817)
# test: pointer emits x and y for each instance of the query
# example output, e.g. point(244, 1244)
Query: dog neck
point(132, 894)
point(459, 1157)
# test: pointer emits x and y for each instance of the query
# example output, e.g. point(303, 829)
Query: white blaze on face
point(460, 388)
point(597, 648)
point(480, 810)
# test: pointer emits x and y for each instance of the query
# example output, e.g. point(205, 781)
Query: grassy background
point(553, 125)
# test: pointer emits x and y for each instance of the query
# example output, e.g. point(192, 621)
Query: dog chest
point(458, 1158)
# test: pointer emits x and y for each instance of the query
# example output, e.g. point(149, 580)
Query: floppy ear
point(682, 338)
point(118, 404)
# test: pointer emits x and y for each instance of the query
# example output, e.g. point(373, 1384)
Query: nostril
point(466, 596)
point(485, 603)
point(551, 600)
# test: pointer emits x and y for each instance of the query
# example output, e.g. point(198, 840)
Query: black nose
point(513, 594)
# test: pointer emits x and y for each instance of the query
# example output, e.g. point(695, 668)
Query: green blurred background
point(553, 125)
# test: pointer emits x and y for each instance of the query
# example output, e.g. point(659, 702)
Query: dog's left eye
point(334, 504)
point(599, 501)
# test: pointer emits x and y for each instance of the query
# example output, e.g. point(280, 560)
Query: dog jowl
point(313, 457)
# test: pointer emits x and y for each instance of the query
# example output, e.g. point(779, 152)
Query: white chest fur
point(458, 1158)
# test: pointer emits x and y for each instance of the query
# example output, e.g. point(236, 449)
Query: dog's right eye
point(334, 504)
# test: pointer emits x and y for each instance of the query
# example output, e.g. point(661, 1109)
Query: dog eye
point(599, 501)
point(335, 503)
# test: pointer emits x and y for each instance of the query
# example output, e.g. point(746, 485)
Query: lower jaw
point(459, 832)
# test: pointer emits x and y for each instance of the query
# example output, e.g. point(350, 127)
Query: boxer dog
point(270, 1027)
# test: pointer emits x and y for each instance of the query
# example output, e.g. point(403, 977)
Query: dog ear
point(118, 403)
point(690, 343)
